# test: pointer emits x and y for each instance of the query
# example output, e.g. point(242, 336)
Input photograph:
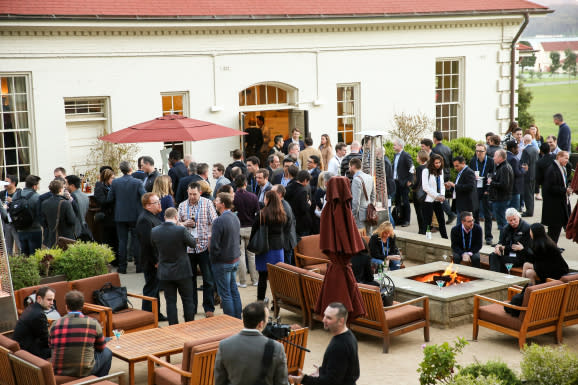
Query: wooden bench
point(386, 322)
point(535, 318)
point(286, 288)
point(311, 286)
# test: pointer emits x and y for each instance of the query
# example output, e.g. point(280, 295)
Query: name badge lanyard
point(460, 174)
point(385, 248)
point(464, 239)
point(483, 168)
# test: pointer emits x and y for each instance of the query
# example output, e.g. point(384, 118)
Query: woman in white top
point(432, 181)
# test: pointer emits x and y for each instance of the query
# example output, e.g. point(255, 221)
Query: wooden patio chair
point(540, 312)
point(295, 356)
point(570, 312)
point(197, 367)
point(390, 321)
point(32, 370)
point(6, 371)
point(131, 319)
point(311, 286)
point(309, 256)
point(285, 284)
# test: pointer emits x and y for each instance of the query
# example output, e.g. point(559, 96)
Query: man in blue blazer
point(126, 193)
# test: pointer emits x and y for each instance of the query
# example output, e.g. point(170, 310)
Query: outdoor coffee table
point(134, 347)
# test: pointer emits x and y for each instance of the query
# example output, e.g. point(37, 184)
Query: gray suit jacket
point(171, 242)
point(359, 203)
point(126, 192)
point(81, 202)
point(239, 360)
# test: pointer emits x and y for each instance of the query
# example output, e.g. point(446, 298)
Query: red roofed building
point(73, 70)
point(543, 60)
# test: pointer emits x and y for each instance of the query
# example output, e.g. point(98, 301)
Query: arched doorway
point(276, 103)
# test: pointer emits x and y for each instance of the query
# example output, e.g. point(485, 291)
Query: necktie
point(438, 183)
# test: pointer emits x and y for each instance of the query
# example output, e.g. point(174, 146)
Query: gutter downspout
point(513, 67)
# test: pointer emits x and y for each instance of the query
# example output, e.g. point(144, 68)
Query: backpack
point(20, 211)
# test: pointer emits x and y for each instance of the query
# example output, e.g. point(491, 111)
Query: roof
point(523, 47)
point(256, 9)
point(560, 46)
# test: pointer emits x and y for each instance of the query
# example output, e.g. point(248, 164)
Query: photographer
point(514, 243)
point(249, 356)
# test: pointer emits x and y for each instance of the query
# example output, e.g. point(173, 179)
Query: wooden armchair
point(386, 322)
point(570, 312)
point(6, 371)
point(311, 286)
point(131, 319)
point(197, 367)
point(309, 256)
point(32, 370)
point(285, 283)
point(540, 312)
point(295, 356)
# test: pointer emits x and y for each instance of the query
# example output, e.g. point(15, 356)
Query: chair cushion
point(404, 315)
point(292, 268)
point(496, 314)
point(87, 286)
point(45, 366)
point(309, 246)
point(165, 376)
point(129, 319)
point(9, 343)
point(569, 278)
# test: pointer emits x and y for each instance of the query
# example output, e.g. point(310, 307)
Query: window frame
point(453, 90)
point(356, 116)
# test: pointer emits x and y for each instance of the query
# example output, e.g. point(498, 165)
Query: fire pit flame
point(449, 275)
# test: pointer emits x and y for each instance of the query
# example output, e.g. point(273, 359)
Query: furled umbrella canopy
point(339, 240)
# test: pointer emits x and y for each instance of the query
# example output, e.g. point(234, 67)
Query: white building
point(71, 73)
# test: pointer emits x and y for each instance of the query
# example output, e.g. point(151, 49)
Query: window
point(347, 111)
point(448, 97)
point(262, 94)
point(84, 109)
point(15, 127)
point(175, 104)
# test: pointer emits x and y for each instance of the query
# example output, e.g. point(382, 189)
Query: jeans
point(102, 362)
point(224, 274)
point(515, 201)
point(122, 230)
point(10, 237)
point(202, 261)
point(499, 209)
point(30, 241)
point(247, 258)
point(185, 288)
point(150, 289)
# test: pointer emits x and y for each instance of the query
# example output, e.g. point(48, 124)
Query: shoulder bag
point(420, 194)
point(111, 296)
point(371, 213)
point(259, 243)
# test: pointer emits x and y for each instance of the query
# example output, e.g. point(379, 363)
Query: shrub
point(24, 271)
point(465, 147)
point(475, 380)
point(411, 150)
point(47, 259)
point(84, 259)
point(439, 362)
point(547, 365)
point(495, 368)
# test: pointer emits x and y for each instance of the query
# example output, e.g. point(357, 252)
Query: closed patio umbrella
point(171, 128)
point(339, 240)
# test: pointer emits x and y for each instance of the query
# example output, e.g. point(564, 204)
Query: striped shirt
point(73, 339)
point(204, 213)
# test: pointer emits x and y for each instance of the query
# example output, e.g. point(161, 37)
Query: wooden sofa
point(570, 313)
point(129, 320)
point(535, 318)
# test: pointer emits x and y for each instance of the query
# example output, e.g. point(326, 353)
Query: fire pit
point(452, 303)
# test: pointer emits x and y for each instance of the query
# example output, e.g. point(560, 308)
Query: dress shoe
point(121, 271)
point(162, 318)
point(488, 242)
point(526, 215)
point(209, 314)
point(405, 224)
point(451, 218)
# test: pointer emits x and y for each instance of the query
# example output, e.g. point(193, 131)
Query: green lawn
point(547, 78)
point(548, 100)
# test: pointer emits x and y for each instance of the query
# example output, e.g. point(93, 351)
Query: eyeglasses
point(154, 203)
point(480, 150)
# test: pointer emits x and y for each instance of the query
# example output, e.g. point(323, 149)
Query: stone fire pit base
point(453, 305)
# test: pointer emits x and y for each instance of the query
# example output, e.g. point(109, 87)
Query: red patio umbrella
point(171, 128)
point(340, 240)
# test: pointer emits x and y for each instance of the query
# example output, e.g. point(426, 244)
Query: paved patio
point(399, 367)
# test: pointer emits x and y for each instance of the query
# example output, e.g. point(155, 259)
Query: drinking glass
point(440, 283)
point(509, 266)
point(117, 333)
point(445, 257)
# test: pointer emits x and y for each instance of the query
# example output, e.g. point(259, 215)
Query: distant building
point(543, 60)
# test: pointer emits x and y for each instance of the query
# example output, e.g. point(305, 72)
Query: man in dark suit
point(237, 162)
point(126, 193)
point(174, 266)
point(483, 165)
point(177, 169)
point(313, 168)
point(466, 239)
point(530, 156)
point(519, 173)
point(31, 330)
point(263, 185)
point(181, 193)
point(148, 166)
point(543, 163)
point(446, 153)
point(58, 211)
point(403, 176)
point(556, 196)
point(295, 134)
point(225, 252)
point(300, 202)
point(240, 356)
point(146, 221)
point(465, 194)
point(284, 177)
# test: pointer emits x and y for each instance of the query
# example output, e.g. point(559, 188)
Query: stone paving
point(399, 367)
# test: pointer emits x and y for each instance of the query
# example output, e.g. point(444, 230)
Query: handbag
point(259, 243)
point(420, 195)
point(387, 290)
point(111, 296)
point(371, 212)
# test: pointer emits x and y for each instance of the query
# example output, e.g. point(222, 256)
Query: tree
point(411, 128)
point(525, 119)
point(555, 58)
point(570, 62)
point(528, 61)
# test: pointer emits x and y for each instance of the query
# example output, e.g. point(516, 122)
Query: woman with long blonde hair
point(162, 187)
point(326, 150)
point(382, 247)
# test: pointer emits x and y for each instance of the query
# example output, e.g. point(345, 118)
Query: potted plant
point(47, 260)
point(84, 259)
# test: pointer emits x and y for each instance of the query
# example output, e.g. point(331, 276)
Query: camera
point(276, 330)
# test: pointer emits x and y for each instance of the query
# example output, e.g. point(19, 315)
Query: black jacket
point(297, 198)
point(237, 163)
point(466, 191)
point(66, 221)
point(389, 177)
point(459, 239)
point(501, 188)
point(555, 206)
point(446, 153)
point(510, 236)
point(542, 165)
point(144, 225)
point(377, 251)
point(107, 208)
point(31, 331)
point(403, 168)
point(149, 181)
point(345, 163)
point(518, 174)
point(171, 243)
point(181, 194)
point(178, 171)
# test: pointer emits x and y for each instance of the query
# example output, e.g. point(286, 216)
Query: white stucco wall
point(393, 62)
